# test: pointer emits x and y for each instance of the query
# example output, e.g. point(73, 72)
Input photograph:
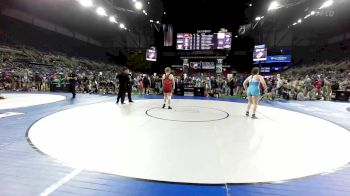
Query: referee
point(72, 82)
point(123, 84)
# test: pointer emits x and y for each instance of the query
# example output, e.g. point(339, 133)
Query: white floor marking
point(7, 114)
point(61, 182)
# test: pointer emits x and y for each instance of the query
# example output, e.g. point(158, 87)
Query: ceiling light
point(86, 3)
point(100, 11)
point(138, 5)
point(307, 16)
point(112, 19)
point(273, 6)
point(327, 4)
point(122, 25)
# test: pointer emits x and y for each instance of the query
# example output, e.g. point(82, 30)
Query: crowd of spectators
point(31, 70)
point(24, 69)
point(305, 82)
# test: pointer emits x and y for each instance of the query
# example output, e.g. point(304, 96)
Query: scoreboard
point(204, 41)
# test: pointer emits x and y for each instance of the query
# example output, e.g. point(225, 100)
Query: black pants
point(129, 93)
point(231, 91)
point(72, 89)
point(121, 94)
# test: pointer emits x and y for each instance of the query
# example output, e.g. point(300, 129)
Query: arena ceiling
point(191, 15)
point(329, 20)
point(70, 14)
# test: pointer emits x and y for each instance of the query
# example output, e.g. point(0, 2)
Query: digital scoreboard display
point(204, 41)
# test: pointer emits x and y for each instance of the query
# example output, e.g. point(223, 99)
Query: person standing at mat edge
point(252, 87)
point(123, 84)
point(168, 86)
point(72, 82)
point(130, 84)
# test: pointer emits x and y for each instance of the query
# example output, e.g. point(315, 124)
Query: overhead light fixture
point(327, 4)
point(236, 36)
point(151, 21)
point(86, 3)
point(250, 5)
point(300, 21)
point(313, 13)
point(307, 16)
point(100, 11)
point(258, 18)
point(157, 22)
point(164, 12)
point(122, 26)
point(138, 5)
point(295, 24)
point(112, 19)
point(274, 6)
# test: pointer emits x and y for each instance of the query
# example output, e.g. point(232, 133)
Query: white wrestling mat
point(205, 142)
point(20, 100)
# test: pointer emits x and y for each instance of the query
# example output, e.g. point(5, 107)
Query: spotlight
point(300, 21)
point(164, 12)
point(151, 21)
point(122, 26)
point(295, 24)
point(100, 11)
point(258, 18)
point(327, 4)
point(250, 5)
point(112, 19)
point(273, 6)
point(313, 13)
point(157, 22)
point(236, 36)
point(86, 3)
point(138, 5)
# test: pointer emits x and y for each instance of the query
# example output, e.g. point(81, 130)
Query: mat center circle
point(188, 114)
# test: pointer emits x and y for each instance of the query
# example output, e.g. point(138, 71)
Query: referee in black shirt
point(123, 84)
point(72, 82)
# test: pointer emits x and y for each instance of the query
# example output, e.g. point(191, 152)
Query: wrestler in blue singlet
point(254, 87)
